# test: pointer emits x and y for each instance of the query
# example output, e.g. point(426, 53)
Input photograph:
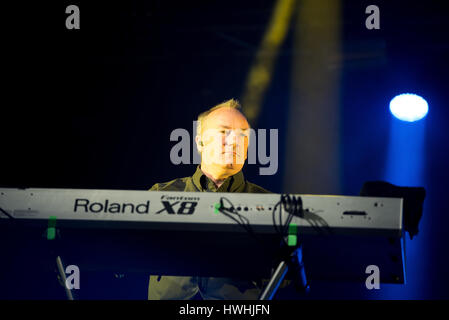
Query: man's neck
point(216, 175)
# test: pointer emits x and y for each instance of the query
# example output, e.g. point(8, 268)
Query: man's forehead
point(225, 126)
point(227, 118)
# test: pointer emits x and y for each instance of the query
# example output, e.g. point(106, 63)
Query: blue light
point(409, 107)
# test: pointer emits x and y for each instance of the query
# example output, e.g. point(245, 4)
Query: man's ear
point(199, 143)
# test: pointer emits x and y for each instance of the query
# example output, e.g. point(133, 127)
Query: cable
point(293, 206)
point(288, 255)
point(242, 220)
point(6, 214)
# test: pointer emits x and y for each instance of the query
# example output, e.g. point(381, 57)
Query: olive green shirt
point(199, 182)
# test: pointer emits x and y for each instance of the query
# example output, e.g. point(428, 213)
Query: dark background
point(94, 108)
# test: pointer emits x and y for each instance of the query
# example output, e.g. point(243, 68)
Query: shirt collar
point(235, 183)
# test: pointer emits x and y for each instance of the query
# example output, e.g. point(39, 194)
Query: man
point(222, 140)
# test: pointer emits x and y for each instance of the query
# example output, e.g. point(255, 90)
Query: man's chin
point(232, 166)
point(226, 165)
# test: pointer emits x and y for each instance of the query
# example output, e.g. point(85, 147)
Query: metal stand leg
point(275, 281)
point(296, 265)
point(63, 278)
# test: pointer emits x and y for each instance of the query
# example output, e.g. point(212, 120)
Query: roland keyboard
point(185, 233)
point(198, 211)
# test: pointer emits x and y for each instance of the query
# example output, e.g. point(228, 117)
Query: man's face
point(225, 134)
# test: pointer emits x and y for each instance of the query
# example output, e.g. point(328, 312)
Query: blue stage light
point(409, 107)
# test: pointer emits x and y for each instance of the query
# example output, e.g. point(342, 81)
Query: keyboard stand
point(53, 234)
point(292, 262)
point(62, 278)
